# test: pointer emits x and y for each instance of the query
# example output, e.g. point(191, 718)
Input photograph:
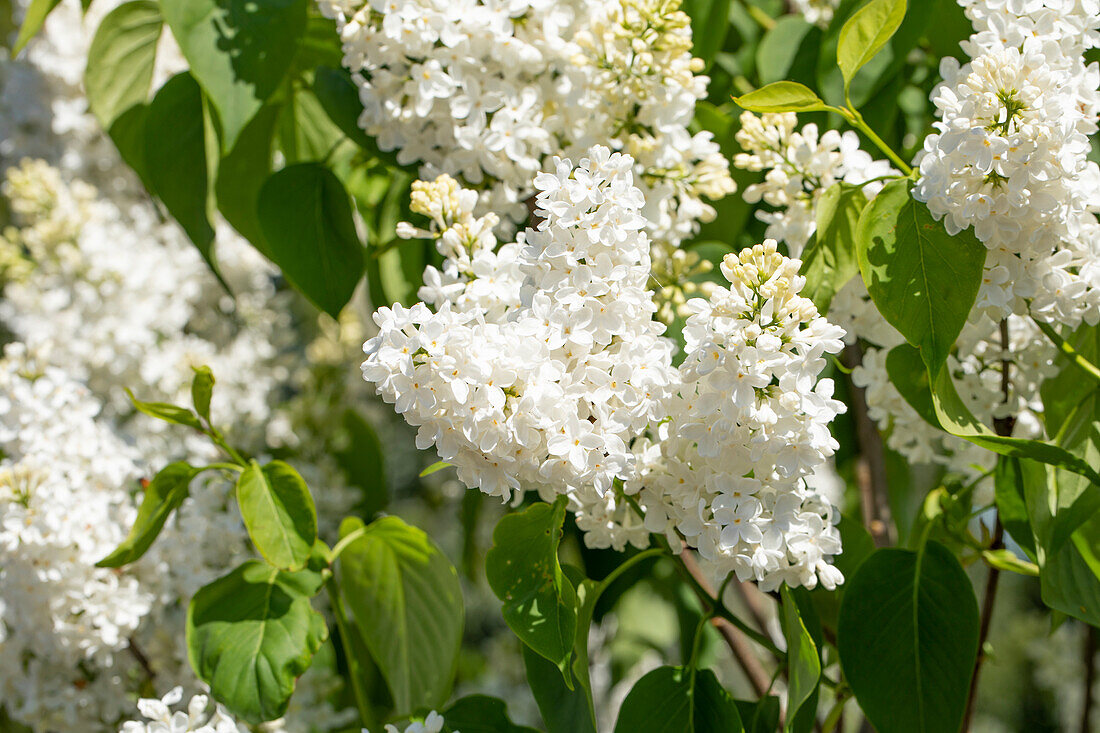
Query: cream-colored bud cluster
point(673, 272)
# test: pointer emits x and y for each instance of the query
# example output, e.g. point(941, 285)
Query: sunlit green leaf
point(278, 512)
point(251, 634)
point(407, 603)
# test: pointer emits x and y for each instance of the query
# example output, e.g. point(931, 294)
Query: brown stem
point(991, 584)
point(1090, 677)
point(871, 464)
point(751, 596)
point(139, 655)
point(736, 641)
point(1003, 426)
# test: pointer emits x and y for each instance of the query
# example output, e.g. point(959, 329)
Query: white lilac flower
point(572, 390)
point(160, 717)
point(489, 92)
point(1009, 156)
point(433, 723)
point(799, 165)
point(545, 393)
point(818, 12)
point(748, 425)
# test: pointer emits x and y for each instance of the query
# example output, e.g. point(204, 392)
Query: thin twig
point(1090, 677)
point(142, 660)
point(1004, 426)
point(751, 596)
point(737, 642)
point(983, 632)
point(871, 464)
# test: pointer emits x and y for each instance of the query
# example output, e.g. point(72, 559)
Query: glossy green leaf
point(251, 634)
point(339, 96)
point(908, 638)
point(1070, 577)
point(760, 716)
point(176, 164)
point(922, 280)
point(239, 51)
point(788, 51)
point(829, 260)
point(166, 412)
point(1010, 492)
point(163, 495)
point(33, 20)
point(709, 26)
point(202, 390)
point(1073, 502)
point(781, 96)
point(481, 714)
point(121, 58)
point(310, 233)
point(866, 32)
point(523, 570)
point(564, 709)
point(278, 512)
point(305, 131)
point(407, 603)
point(243, 171)
point(364, 462)
point(672, 700)
point(803, 660)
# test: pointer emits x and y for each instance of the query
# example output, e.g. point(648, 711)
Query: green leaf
point(481, 714)
point(407, 603)
point(781, 96)
point(908, 638)
point(944, 408)
point(278, 512)
point(1009, 481)
point(175, 162)
point(709, 25)
point(865, 33)
point(239, 51)
point(760, 716)
point(163, 495)
point(788, 50)
point(127, 132)
point(672, 700)
point(339, 96)
point(922, 280)
point(119, 73)
point(166, 412)
point(1005, 559)
point(564, 709)
point(437, 466)
point(1070, 577)
point(364, 463)
point(305, 131)
point(243, 171)
point(307, 222)
point(830, 259)
point(803, 662)
point(33, 19)
point(202, 390)
point(523, 570)
point(251, 634)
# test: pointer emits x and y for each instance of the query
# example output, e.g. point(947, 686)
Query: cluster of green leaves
point(394, 594)
point(262, 128)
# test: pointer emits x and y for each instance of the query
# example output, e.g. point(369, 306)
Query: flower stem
point(1064, 346)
